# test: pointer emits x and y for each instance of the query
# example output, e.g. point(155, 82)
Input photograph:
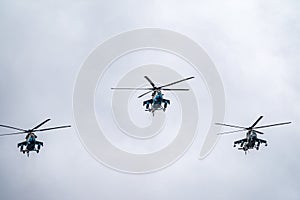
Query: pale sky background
point(254, 45)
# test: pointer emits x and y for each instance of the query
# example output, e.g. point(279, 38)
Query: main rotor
point(35, 129)
point(251, 128)
point(156, 89)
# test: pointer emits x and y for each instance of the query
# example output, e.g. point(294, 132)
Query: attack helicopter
point(157, 102)
point(30, 143)
point(251, 141)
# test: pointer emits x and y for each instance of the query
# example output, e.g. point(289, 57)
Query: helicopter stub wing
point(150, 101)
point(240, 141)
point(166, 101)
point(262, 141)
point(22, 144)
point(39, 143)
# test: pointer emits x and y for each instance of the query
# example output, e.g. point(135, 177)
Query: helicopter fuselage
point(251, 139)
point(250, 142)
point(31, 144)
point(156, 103)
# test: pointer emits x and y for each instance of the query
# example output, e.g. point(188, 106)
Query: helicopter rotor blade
point(167, 89)
point(231, 132)
point(132, 88)
point(185, 79)
point(144, 94)
point(266, 126)
point(17, 133)
point(234, 126)
point(257, 132)
point(256, 122)
point(41, 124)
point(19, 129)
point(149, 80)
point(47, 129)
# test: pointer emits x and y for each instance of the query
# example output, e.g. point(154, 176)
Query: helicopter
point(251, 141)
point(157, 102)
point(30, 143)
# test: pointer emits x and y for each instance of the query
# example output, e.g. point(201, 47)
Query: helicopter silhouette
point(251, 141)
point(157, 102)
point(30, 143)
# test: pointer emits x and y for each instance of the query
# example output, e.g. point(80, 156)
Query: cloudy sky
point(254, 46)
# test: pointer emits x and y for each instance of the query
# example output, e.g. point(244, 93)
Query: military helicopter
point(30, 143)
point(251, 141)
point(157, 102)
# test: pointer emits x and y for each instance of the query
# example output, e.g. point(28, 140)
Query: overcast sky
point(255, 46)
